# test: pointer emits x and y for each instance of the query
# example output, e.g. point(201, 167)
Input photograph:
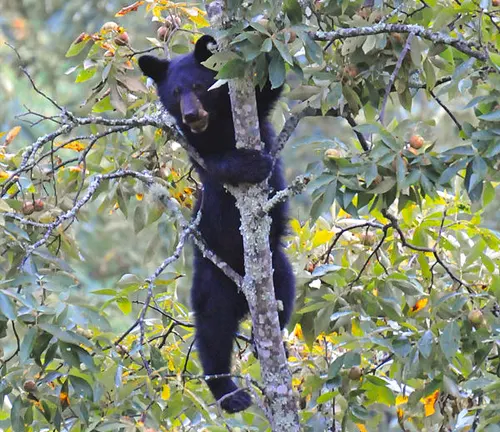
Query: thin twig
point(394, 75)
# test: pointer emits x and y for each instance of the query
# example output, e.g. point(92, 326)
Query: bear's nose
point(191, 117)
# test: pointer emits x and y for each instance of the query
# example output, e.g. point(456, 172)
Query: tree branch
point(470, 48)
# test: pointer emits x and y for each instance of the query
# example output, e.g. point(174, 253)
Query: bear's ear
point(201, 49)
point(153, 67)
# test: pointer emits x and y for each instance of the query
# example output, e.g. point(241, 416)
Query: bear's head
point(183, 85)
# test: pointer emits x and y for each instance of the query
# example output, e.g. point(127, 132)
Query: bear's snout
point(193, 113)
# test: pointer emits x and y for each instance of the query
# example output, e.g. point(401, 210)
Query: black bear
point(205, 118)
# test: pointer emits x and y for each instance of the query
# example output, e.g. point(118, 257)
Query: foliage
point(397, 321)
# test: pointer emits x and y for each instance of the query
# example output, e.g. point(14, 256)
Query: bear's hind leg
point(284, 285)
point(218, 308)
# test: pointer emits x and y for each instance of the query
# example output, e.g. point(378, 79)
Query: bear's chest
point(220, 224)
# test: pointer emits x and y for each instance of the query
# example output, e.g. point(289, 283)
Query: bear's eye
point(197, 87)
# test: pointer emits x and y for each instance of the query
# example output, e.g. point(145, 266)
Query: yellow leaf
point(420, 304)
point(297, 332)
point(12, 134)
point(295, 225)
point(75, 145)
point(400, 400)
point(196, 15)
point(400, 413)
point(356, 329)
point(131, 8)
point(429, 403)
point(139, 196)
point(296, 382)
point(165, 392)
point(343, 214)
point(4, 175)
point(171, 365)
point(64, 399)
point(321, 237)
point(361, 427)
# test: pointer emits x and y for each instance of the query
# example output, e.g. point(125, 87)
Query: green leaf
point(124, 304)
point(267, 45)
point(336, 367)
point(27, 345)
point(234, 68)
point(139, 218)
point(379, 393)
point(325, 397)
point(81, 387)
point(16, 416)
point(157, 360)
point(7, 308)
point(384, 186)
point(293, 11)
point(128, 281)
point(277, 71)
point(67, 336)
point(492, 116)
point(314, 53)
point(85, 74)
point(283, 50)
point(450, 172)
point(495, 59)
point(425, 344)
point(76, 48)
point(103, 105)
point(450, 340)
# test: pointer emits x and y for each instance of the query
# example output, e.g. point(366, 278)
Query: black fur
point(217, 304)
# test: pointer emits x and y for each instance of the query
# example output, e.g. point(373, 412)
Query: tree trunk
point(280, 402)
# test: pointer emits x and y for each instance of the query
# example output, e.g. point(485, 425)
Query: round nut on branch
point(331, 154)
point(28, 208)
point(476, 318)
point(368, 239)
point(355, 373)
point(398, 37)
point(416, 142)
point(351, 70)
point(173, 21)
point(162, 33)
point(30, 386)
point(364, 12)
point(38, 205)
point(109, 26)
point(122, 39)
point(377, 180)
point(264, 22)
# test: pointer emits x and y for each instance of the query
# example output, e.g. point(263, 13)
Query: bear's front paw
point(238, 401)
point(256, 167)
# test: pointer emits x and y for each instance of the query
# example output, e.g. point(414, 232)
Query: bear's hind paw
point(238, 401)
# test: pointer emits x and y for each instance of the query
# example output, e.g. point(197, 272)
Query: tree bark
point(280, 402)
